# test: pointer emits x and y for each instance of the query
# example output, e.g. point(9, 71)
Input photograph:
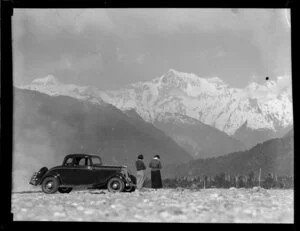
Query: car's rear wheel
point(64, 190)
point(50, 185)
point(115, 184)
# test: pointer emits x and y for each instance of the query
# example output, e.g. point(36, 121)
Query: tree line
point(225, 180)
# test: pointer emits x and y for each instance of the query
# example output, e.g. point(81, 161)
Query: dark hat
point(157, 156)
point(140, 156)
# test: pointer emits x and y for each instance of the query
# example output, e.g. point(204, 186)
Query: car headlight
point(124, 171)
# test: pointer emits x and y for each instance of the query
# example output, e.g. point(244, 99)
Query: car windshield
point(96, 160)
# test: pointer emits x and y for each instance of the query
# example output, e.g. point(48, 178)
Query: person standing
point(140, 172)
point(155, 166)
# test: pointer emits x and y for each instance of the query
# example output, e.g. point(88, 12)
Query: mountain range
point(272, 156)
point(205, 116)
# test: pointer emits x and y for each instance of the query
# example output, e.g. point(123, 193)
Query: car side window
point(82, 162)
point(69, 162)
point(96, 161)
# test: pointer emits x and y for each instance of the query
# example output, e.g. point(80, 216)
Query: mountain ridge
point(209, 100)
point(272, 156)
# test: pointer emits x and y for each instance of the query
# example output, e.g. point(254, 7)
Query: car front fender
point(119, 175)
point(52, 174)
point(128, 182)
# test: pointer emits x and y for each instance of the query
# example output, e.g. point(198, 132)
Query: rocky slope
point(197, 138)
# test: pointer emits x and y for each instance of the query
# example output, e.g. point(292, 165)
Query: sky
point(109, 48)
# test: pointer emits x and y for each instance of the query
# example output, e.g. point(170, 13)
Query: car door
point(92, 173)
point(68, 172)
point(99, 171)
point(84, 173)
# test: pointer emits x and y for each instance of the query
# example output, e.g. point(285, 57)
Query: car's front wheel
point(115, 184)
point(64, 190)
point(50, 185)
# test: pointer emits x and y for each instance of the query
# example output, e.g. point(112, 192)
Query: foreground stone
point(164, 205)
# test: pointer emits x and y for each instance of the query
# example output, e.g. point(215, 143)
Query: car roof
point(81, 155)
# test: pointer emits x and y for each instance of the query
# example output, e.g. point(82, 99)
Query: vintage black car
point(84, 170)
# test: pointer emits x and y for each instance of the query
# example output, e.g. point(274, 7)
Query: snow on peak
point(252, 86)
point(173, 71)
point(208, 100)
point(182, 75)
point(51, 86)
point(215, 80)
point(48, 80)
point(189, 83)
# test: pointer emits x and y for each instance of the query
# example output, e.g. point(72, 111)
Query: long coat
point(155, 166)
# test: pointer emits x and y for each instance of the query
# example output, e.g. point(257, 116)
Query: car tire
point(50, 185)
point(129, 189)
point(64, 190)
point(115, 184)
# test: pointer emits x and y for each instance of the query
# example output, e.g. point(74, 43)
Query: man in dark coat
point(140, 172)
point(155, 166)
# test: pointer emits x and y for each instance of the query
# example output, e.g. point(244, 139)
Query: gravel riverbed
point(163, 205)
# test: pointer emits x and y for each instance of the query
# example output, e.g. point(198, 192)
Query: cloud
point(140, 58)
point(48, 23)
point(66, 61)
point(271, 38)
point(272, 89)
point(283, 83)
point(66, 36)
point(135, 22)
point(221, 54)
point(120, 55)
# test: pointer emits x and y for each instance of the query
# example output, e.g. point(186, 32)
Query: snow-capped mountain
point(209, 100)
point(51, 86)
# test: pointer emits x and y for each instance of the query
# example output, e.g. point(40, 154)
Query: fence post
point(259, 177)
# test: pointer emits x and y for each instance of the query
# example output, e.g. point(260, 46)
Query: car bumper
point(34, 180)
point(130, 184)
